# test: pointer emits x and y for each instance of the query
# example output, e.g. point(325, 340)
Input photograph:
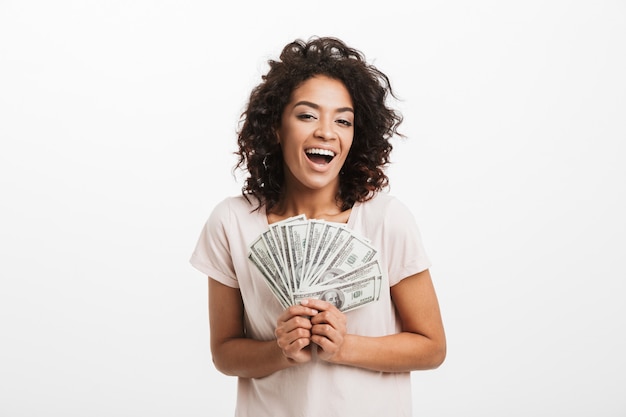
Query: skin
point(319, 115)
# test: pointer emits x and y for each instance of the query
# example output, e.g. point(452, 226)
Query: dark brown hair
point(374, 122)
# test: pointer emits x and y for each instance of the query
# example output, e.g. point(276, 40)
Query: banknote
point(260, 256)
point(353, 253)
point(318, 253)
point(309, 258)
point(296, 247)
point(346, 296)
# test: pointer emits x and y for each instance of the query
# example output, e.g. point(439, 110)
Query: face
point(332, 298)
point(316, 132)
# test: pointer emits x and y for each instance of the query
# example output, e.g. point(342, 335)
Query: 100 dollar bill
point(300, 258)
point(346, 296)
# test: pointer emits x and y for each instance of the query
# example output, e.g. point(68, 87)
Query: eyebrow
point(316, 106)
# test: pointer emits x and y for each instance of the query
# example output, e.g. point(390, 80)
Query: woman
point(314, 140)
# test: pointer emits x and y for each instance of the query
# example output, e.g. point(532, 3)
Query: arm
point(420, 345)
point(235, 354)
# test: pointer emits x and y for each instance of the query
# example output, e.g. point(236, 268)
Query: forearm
point(248, 358)
point(402, 352)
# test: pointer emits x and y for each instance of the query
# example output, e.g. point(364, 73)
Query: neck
point(314, 204)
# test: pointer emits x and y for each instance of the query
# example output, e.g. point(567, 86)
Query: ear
point(276, 131)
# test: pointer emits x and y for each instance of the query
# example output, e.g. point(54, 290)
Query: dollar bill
point(314, 233)
point(371, 268)
point(332, 236)
point(261, 257)
point(276, 241)
point(275, 237)
point(353, 253)
point(346, 296)
point(297, 245)
point(300, 258)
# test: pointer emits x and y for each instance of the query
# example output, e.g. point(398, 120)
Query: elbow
point(435, 356)
point(218, 366)
point(221, 364)
point(439, 356)
point(428, 356)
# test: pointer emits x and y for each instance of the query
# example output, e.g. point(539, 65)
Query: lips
point(319, 155)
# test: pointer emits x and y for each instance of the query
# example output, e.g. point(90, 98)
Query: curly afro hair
point(375, 123)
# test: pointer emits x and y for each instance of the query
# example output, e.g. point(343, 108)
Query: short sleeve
point(404, 249)
point(212, 254)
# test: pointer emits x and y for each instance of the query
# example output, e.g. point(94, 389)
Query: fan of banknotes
point(307, 258)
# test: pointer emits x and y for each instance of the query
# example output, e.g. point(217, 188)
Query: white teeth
point(321, 152)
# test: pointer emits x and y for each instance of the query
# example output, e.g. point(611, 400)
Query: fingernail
point(304, 302)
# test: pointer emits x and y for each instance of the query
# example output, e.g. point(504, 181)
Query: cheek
point(286, 145)
point(347, 146)
point(286, 136)
point(348, 141)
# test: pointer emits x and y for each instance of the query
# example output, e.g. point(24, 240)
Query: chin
point(321, 184)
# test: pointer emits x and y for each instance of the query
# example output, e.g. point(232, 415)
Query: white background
point(117, 127)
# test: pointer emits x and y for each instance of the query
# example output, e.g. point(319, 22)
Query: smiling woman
point(315, 141)
point(315, 136)
point(373, 122)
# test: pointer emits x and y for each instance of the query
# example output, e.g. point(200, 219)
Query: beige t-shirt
point(315, 388)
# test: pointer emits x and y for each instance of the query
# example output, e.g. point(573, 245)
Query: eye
point(305, 116)
point(345, 122)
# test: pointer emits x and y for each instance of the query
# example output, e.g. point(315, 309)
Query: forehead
point(321, 89)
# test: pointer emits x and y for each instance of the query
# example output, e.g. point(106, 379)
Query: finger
point(329, 341)
point(333, 317)
point(292, 325)
point(294, 340)
point(299, 352)
point(324, 330)
point(327, 345)
point(317, 304)
point(296, 310)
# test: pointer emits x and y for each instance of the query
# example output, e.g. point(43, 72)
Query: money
point(308, 258)
point(346, 296)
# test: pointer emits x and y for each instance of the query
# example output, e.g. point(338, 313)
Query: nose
point(325, 129)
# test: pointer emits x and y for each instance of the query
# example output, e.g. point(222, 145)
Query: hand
point(293, 333)
point(328, 328)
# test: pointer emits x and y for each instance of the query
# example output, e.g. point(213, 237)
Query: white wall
point(117, 123)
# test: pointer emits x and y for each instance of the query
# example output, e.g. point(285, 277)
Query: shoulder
point(231, 208)
point(388, 213)
point(385, 204)
point(237, 204)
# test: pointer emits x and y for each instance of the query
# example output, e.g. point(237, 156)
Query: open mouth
point(320, 156)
